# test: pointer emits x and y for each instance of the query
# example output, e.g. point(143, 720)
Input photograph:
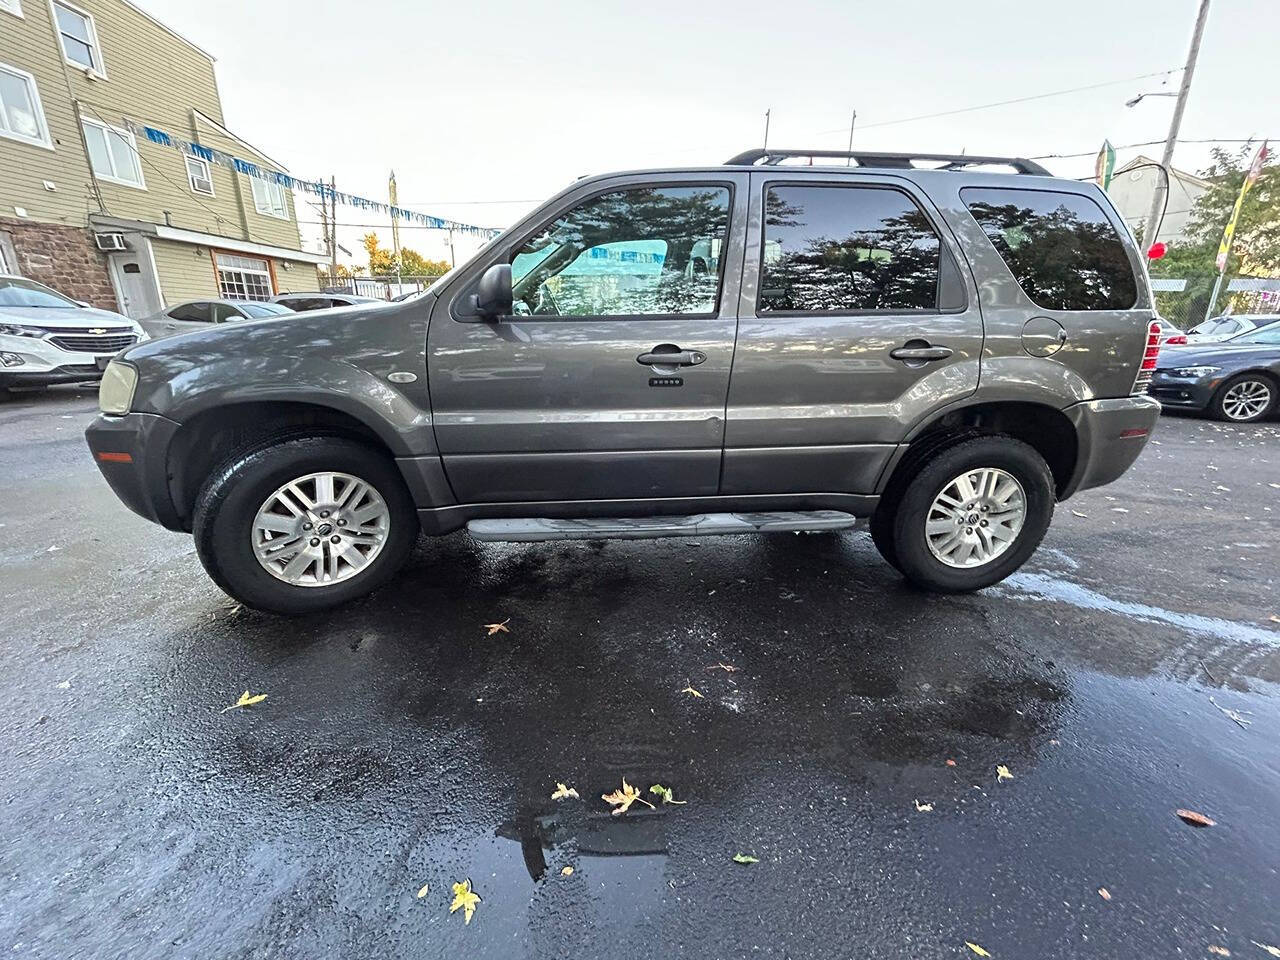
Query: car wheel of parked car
point(304, 524)
point(972, 514)
point(1244, 398)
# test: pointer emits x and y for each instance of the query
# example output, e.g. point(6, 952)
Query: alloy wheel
point(1246, 399)
point(975, 518)
point(320, 529)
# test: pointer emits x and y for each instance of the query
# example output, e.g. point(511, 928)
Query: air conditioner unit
point(110, 241)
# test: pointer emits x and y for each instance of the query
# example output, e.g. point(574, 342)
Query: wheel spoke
point(324, 488)
point(276, 523)
point(300, 564)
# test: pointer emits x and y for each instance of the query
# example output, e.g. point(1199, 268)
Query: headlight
point(1193, 373)
point(115, 393)
point(18, 330)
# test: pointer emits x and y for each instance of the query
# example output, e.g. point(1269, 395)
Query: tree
point(383, 262)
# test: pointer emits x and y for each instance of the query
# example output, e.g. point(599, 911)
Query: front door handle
point(671, 357)
point(920, 352)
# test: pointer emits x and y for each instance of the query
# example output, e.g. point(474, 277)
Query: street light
point(1140, 97)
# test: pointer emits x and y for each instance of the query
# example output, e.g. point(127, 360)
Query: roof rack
point(901, 161)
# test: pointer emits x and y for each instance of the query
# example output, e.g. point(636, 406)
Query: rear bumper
point(132, 453)
point(1109, 435)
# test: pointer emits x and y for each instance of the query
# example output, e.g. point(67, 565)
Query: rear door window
point(835, 249)
point(1061, 248)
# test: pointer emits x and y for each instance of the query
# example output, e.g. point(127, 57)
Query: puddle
point(1043, 587)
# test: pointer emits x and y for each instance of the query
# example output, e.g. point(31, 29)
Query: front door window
point(646, 251)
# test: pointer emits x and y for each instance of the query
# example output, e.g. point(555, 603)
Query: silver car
point(198, 314)
point(1217, 329)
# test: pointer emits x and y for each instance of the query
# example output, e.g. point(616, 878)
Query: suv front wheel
point(970, 515)
point(304, 524)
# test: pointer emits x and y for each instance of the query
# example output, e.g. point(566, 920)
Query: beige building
point(1132, 187)
point(111, 218)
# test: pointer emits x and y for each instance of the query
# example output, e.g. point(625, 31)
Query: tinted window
point(222, 312)
point(192, 313)
point(1060, 246)
point(1268, 334)
point(847, 248)
point(307, 303)
point(631, 252)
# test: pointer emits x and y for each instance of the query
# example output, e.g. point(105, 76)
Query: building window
point(268, 198)
point(79, 38)
point(21, 116)
point(243, 278)
point(11, 6)
point(114, 154)
point(199, 176)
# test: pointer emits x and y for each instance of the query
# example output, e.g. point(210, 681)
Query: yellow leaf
point(464, 899)
point(567, 872)
point(497, 627)
point(976, 949)
point(563, 791)
point(622, 799)
point(689, 689)
point(246, 701)
point(1002, 773)
point(924, 807)
point(426, 887)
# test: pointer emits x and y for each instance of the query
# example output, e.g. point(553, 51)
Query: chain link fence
point(1184, 301)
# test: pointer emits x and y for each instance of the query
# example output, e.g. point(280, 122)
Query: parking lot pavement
point(852, 748)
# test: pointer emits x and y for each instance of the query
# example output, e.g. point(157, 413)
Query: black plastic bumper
point(76, 374)
point(132, 453)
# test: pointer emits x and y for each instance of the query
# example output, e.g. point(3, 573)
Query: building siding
point(187, 272)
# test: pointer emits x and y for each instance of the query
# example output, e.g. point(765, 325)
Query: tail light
point(1179, 341)
point(1149, 355)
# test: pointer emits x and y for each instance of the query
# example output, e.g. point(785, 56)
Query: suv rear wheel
point(971, 515)
point(304, 524)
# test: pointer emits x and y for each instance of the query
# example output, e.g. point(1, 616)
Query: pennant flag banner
point(1229, 234)
point(316, 188)
point(1105, 165)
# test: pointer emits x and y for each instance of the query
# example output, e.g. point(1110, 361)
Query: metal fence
point(1184, 301)
point(389, 287)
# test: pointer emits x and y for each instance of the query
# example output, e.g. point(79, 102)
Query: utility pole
point(333, 226)
point(766, 128)
point(852, 120)
point(1166, 160)
point(395, 222)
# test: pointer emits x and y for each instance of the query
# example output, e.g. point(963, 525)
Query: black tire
point(1217, 404)
point(231, 497)
point(906, 526)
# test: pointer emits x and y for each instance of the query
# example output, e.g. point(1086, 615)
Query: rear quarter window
point(1060, 247)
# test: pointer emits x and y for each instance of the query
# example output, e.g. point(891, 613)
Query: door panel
point(556, 406)
point(816, 395)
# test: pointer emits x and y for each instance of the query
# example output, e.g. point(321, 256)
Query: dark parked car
point(197, 314)
point(321, 300)
point(1236, 380)
point(748, 348)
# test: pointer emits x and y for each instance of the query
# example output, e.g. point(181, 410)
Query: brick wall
point(62, 257)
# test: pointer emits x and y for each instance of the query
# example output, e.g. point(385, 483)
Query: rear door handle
point(674, 358)
point(921, 353)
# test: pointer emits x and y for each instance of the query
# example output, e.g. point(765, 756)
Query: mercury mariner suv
point(946, 345)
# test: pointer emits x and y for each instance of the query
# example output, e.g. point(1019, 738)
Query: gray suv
point(755, 347)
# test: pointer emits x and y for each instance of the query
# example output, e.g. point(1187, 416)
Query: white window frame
point(99, 69)
point(12, 6)
point(44, 139)
point(262, 202)
point(207, 175)
point(245, 266)
point(107, 129)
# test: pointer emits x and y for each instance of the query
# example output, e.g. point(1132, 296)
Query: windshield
point(1270, 334)
point(15, 292)
point(263, 309)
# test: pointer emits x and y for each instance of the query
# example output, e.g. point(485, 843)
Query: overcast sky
point(478, 102)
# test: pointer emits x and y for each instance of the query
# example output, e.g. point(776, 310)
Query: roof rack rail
point(901, 161)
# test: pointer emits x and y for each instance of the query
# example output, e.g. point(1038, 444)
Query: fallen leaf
point(1002, 773)
point(924, 807)
point(65, 685)
point(622, 799)
point(726, 667)
point(1274, 951)
point(976, 949)
point(246, 701)
point(464, 899)
point(567, 872)
point(563, 791)
point(497, 627)
point(1219, 951)
point(744, 858)
point(1104, 893)
point(426, 888)
point(951, 763)
point(665, 793)
point(689, 689)
point(1078, 514)
point(1196, 819)
point(1119, 510)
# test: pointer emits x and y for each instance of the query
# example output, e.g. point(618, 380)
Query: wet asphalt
point(401, 745)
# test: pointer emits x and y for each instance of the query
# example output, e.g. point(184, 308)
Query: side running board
point(643, 528)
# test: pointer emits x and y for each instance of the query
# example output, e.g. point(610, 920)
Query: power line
point(1144, 143)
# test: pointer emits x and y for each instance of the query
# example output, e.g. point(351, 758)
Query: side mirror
point(493, 295)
